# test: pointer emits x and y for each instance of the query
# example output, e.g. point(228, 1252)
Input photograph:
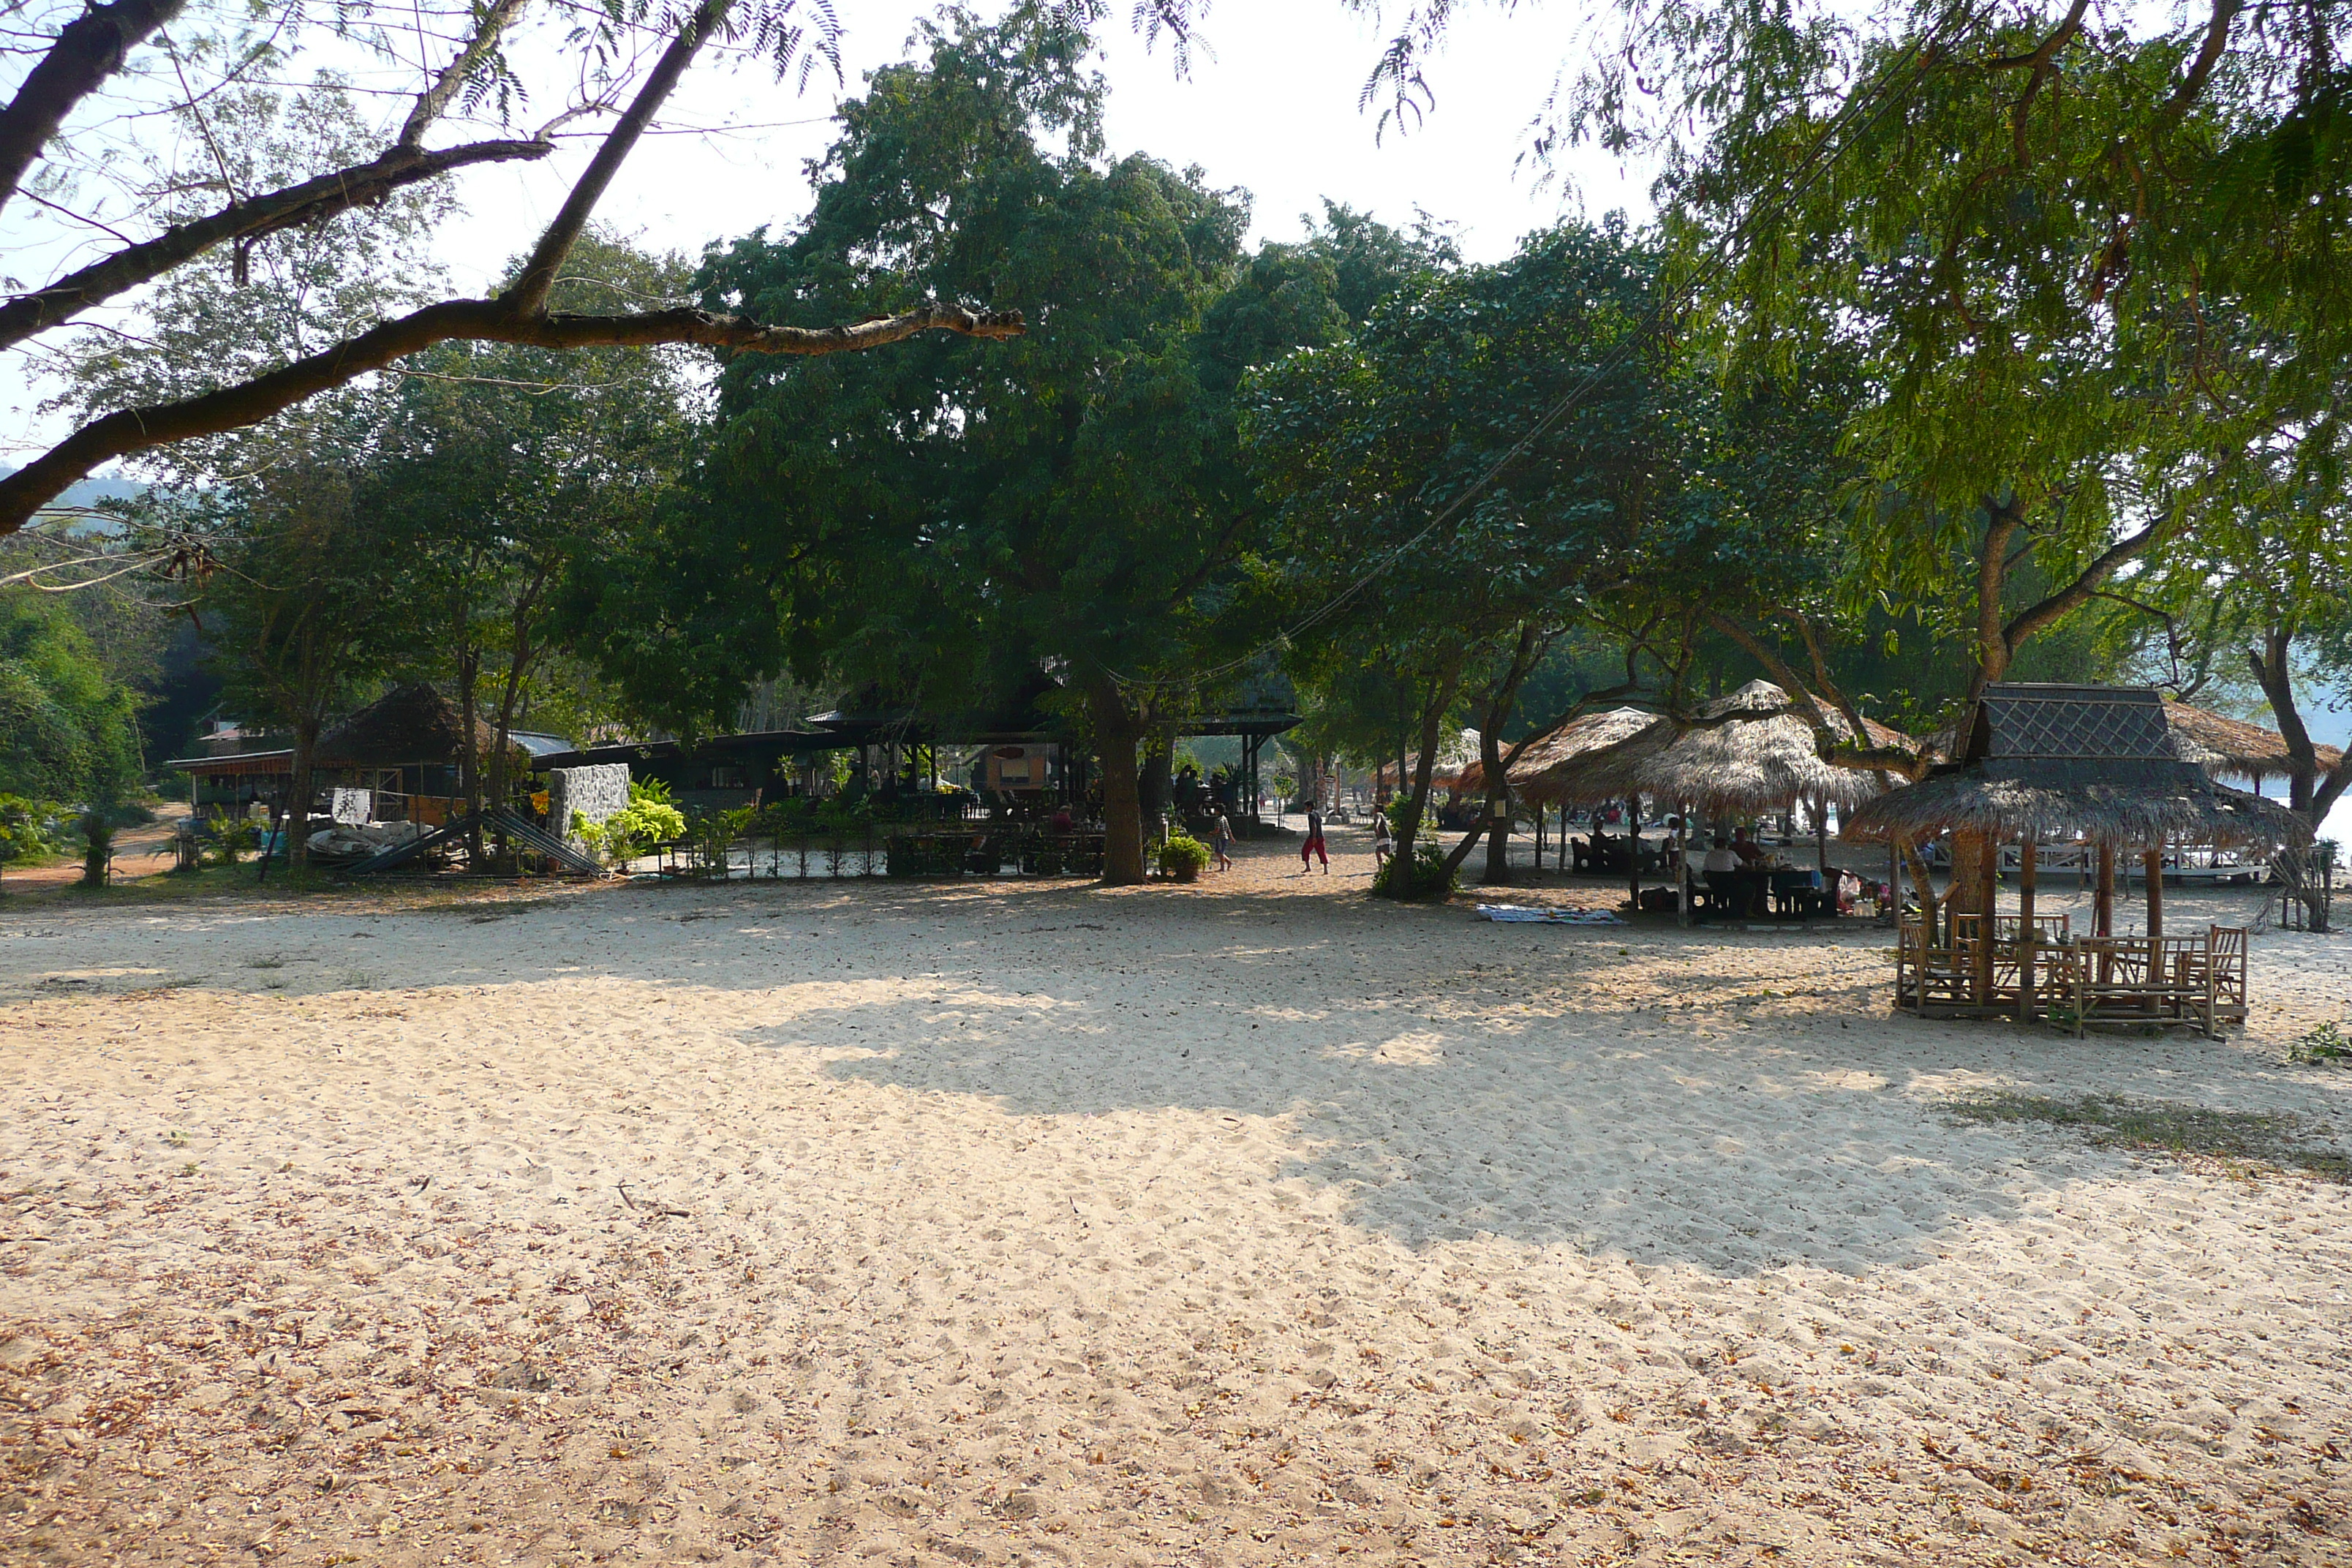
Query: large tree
point(949, 522)
point(155, 60)
point(1470, 475)
point(501, 468)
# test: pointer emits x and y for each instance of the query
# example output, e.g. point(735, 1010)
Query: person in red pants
point(1314, 845)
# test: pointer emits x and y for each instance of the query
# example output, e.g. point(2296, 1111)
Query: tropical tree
point(947, 522)
point(1458, 484)
point(501, 468)
point(68, 732)
point(156, 61)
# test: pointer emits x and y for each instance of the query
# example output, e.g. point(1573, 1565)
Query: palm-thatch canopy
point(1562, 744)
point(1750, 751)
point(2222, 745)
point(2042, 762)
point(405, 727)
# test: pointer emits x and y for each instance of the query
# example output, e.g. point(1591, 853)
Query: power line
point(1817, 160)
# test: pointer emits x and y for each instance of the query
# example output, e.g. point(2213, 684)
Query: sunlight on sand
point(1245, 1225)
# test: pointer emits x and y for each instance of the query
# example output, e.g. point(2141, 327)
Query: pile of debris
point(349, 843)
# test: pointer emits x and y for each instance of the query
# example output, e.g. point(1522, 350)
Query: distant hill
point(91, 491)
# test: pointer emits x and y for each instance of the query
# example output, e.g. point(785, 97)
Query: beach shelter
point(1541, 761)
point(1742, 754)
point(2041, 763)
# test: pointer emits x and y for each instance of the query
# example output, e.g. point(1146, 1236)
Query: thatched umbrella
point(2226, 746)
point(1743, 754)
point(1557, 747)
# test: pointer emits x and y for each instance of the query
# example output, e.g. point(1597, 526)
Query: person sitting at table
point(1722, 858)
point(1062, 822)
point(1752, 855)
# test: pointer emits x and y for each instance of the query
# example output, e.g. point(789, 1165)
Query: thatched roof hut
point(1750, 751)
point(2232, 747)
point(1561, 745)
point(2042, 762)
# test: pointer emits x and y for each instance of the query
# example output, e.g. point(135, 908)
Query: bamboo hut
point(408, 746)
point(2043, 762)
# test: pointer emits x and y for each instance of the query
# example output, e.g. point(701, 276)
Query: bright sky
point(1270, 105)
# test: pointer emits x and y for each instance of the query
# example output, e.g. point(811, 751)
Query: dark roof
point(763, 745)
point(2018, 720)
point(2046, 761)
point(407, 724)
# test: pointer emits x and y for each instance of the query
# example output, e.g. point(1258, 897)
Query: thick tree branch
point(312, 200)
point(2040, 617)
point(88, 50)
point(2209, 54)
point(1828, 744)
point(436, 98)
point(131, 430)
point(528, 294)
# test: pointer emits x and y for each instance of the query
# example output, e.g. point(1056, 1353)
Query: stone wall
point(596, 792)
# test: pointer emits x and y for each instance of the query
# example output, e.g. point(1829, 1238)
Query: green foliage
point(1180, 851)
point(234, 836)
point(1429, 878)
point(2325, 1045)
point(26, 832)
point(68, 732)
point(645, 822)
point(509, 474)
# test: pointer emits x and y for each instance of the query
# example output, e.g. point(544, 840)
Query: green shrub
point(1429, 878)
point(648, 819)
point(25, 829)
point(1183, 852)
point(231, 836)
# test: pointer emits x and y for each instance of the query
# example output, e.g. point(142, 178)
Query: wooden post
point(2103, 901)
point(1633, 850)
point(1988, 890)
point(1822, 834)
point(1679, 864)
point(2152, 862)
point(2025, 935)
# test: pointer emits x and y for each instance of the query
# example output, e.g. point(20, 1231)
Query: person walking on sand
point(1314, 845)
point(1221, 841)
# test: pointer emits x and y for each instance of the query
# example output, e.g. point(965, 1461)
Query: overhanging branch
point(129, 430)
point(88, 50)
point(312, 200)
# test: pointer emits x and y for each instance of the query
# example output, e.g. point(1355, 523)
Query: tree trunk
point(1156, 769)
point(2310, 794)
point(1115, 746)
point(469, 756)
point(304, 785)
point(1432, 720)
point(1498, 812)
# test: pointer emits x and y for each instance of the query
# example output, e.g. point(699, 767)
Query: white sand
point(1250, 1224)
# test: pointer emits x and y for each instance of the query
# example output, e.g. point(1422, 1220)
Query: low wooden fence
point(903, 850)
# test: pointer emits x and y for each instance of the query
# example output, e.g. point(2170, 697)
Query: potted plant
point(1181, 857)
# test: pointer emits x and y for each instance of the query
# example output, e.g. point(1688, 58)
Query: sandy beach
point(1249, 1223)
